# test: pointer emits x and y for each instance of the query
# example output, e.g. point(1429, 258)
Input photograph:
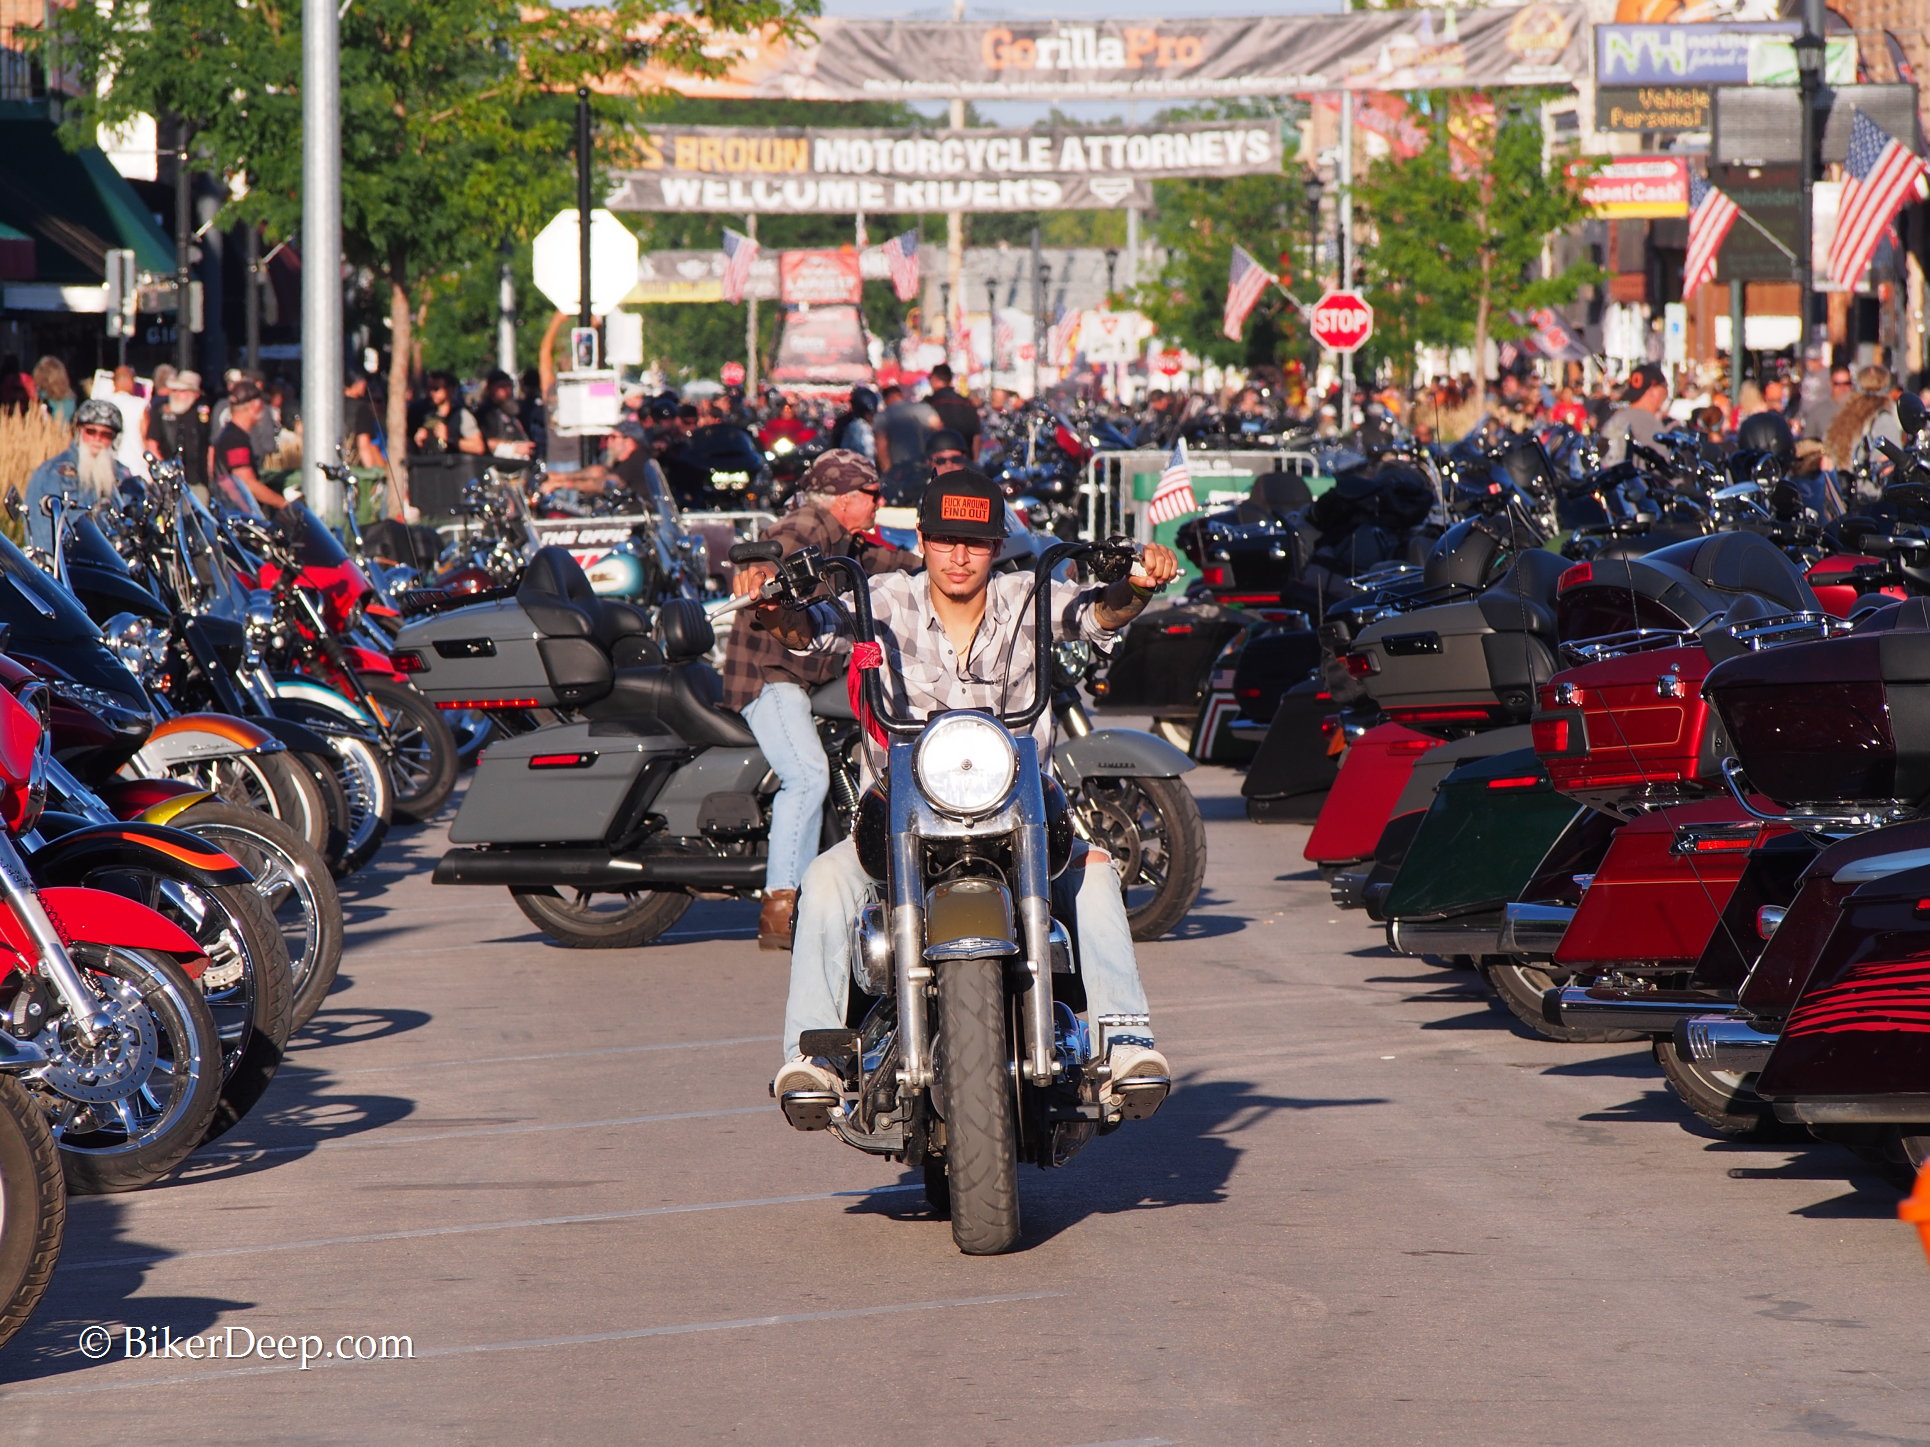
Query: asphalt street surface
point(1372, 1212)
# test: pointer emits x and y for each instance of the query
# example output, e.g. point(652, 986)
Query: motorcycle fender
point(152, 801)
point(969, 919)
point(367, 660)
point(93, 916)
point(192, 736)
point(1118, 753)
point(77, 853)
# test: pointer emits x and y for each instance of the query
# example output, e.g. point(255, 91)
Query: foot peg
point(811, 1109)
point(1140, 1096)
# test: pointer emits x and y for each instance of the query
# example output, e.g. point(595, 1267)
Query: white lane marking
point(485, 1058)
point(1130, 1442)
point(641, 1333)
point(422, 1232)
point(249, 1153)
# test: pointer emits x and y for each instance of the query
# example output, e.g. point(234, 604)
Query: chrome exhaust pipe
point(1724, 1042)
point(1534, 931)
point(1600, 1007)
point(1466, 934)
point(1348, 888)
point(1876, 1110)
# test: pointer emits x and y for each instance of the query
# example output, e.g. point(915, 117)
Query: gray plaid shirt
point(923, 672)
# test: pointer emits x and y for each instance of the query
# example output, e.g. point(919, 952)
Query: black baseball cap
point(944, 440)
point(1643, 378)
point(962, 504)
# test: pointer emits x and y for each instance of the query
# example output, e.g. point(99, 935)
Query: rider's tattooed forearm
point(1118, 607)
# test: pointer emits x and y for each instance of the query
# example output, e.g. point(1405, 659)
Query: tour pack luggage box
point(493, 654)
point(1833, 723)
point(1635, 727)
point(1464, 664)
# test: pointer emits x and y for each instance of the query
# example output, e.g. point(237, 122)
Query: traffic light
point(1286, 269)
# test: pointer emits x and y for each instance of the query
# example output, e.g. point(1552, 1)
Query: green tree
point(1456, 235)
point(456, 116)
point(1199, 221)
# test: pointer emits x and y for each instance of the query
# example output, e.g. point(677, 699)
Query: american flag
point(739, 252)
point(1245, 280)
point(1711, 214)
point(1063, 339)
point(1173, 498)
point(901, 255)
point(1880, 176)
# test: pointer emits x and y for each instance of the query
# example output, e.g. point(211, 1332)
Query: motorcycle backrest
point(1741, 562)
point(684, 631)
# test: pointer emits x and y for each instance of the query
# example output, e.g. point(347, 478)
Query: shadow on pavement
point(1184, 1156)
point(84, 1295)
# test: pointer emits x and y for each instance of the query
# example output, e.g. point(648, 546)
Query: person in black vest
point(956, 412)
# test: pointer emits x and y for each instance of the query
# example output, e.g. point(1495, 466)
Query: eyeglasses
point(97, 434)
point(876, 494)
point(937, 457)
point(962, 547)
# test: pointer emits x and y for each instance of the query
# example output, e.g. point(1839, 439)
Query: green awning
point(73, 204)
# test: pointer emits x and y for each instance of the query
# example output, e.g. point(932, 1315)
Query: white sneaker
point(1140, 1081)
point(802, 1073)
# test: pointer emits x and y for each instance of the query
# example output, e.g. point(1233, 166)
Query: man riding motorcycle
point(771, 686)
point(956, 639)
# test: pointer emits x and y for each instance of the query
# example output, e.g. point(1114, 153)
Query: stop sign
point(1169, 363)
point(1342, 321)
point(732, 374)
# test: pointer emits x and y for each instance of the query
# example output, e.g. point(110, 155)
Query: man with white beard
point(87, 475)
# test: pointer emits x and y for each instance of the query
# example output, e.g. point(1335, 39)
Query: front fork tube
point(86, 1010)
point(1035, 921)
point(908, 948)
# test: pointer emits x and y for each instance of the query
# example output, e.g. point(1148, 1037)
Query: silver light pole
point(321, 251)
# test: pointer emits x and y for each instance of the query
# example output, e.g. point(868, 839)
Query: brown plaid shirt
point(752, 656)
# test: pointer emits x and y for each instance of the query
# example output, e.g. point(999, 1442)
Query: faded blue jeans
point(780, 717)
point(1087, 895)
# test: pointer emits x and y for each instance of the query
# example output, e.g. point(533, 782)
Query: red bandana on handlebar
point(865, 656)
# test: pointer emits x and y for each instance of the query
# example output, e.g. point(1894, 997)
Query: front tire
point(1153, 830)
point(33, 1207)
point(981, 1116)
point(424, 762)
point(582, 920)
point(138, 1135)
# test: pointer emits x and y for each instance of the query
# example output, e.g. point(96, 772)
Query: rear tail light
point(562, 761)
point(457, 704)
point(1213, 577)
point(1516, 781)
point(1575, 577)
point(407, 660)
point(1359, 665)
point(1550, 735)
point(1177, 628)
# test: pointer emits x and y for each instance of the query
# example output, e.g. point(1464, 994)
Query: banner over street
point(794, 170)
point(1174, 59)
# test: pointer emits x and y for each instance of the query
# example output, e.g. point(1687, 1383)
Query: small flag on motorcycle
point(1173, 497)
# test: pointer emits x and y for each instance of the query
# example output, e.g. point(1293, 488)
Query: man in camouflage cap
point(836, 505)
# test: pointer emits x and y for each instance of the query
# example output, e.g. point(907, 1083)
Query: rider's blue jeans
point(780, 717)
point(836, 887)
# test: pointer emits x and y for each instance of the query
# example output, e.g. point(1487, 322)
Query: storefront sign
point(1637, 186)
point(1711, 53)
point(819, 278)
point(1652, 108)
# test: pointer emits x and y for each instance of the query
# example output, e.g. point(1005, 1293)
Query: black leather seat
point(1524, 600)
point(1741, 562)
point(1272, 497)
point(683, 693)
point(557, 595)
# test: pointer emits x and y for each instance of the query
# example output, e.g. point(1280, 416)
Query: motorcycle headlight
point(965, 764)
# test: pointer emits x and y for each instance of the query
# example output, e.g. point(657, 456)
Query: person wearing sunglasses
point(961, 638)
point(771, 686)
point(87, 475)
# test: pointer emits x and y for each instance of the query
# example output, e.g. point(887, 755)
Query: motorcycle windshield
point(38, 610)
point(315, 545)
point(201, 552)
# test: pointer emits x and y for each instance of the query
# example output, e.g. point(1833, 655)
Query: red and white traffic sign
point(732, 374)
point(1342, 321)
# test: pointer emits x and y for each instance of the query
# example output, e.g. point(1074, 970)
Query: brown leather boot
point(776, 920)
